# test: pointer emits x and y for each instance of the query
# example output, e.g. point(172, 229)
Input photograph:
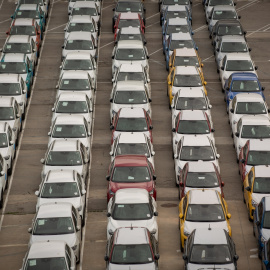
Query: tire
point(181, 248)
point(9, 171)
point(83, 219)
point(7, 183)
point(113, 25)
point(2, 200)
point(244, 200)
point(79, 259)
point(249, 218)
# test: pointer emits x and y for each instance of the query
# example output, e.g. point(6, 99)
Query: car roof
point(23, 21)
point(130, 30)
point(259, 145)
point(135, 235)
point(13, 57)
point(185, 52)
point(73, 96)
point(132, 195)
point(204, 196)
point(181, 36)
point(201, 166)
point(131, 113)
point(193, 140)
point(186, 70)
point(129, 137)
point(193, 92)
point(192, 115)
point(249, 97)
point(224, 7)
point(255, 120)
point(229, 38)
point(238, 56)
point(176, 8)
point(77, 35)
point(64, 145)
point(86, 4)
point(6, 101)
point(9, 78)
point(262, 171)
point(81, 19)
point(69, 119)
point(130, 160)
point(75, 74)
point(244, 76)
point(18, 39)
point(28, 7)
point(210, 236)
point(177, 21)
point(130, 85)
point(130, 44)
point(56, 176)
point(78, 55)
point(131, 68)
point(129, 16)
point(59, 209)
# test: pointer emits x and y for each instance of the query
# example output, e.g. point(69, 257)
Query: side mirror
point(245, 32)
point(239, 17)
point(263, 88)
point(2, 173)
point(148, 80)
point(17, 116)
point(217, 49)
point(214, 33)
point(111, 153)
point(229, 216)
point(113, 80)
point(236, 134)
point(209, 17)
point(248, 189)
point(197, 48)
point(107, 177)
point(222, 184)
point(112, 56)
point(11, 142)
point(111, 100)
point(78, 228)
point(204, 83)
point(83, 191)
point(153, 153)
point(236, 257)
point(258, 222)
point(49, 133)
point(151, 127)
point(157, 257)
point(212, 130)
point(242, 161)
point(175, 156)
point(173, 130)
point(42, 161)
point(218, 156)
point(155, 214)
point(222, 68)
point(210, 106)
point(181, 216)
point(29, 230)
point(150, 100)
point(57, 86)
point(256, 68)
point(185, 257)
point(154, 177)
point(106, 258)
point(86, 160)
point(181, 184)
point(249, 49)
point(7, 32)
point(232, 110)
point(53, 109)
point(147, 56)
point(37, 192)
point(109, 214)
point(111, 127)
point(63, 46)
point(24, 91)
point(113, 9)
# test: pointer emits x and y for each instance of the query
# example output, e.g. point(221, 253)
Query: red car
point(131, 171)
point(128, 20)
point(199, 175)
point(254, 152)
point(26, 26)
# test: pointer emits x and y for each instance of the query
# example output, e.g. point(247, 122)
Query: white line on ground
point(14, 245)
point(108, 6)
point(56, 28)
point(5, 20)
point(152, 24)
point(147, 18)
point(106, 44)
point(155, 51)
point(257, 30)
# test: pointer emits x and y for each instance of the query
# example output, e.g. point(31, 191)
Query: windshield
point(28, 14)
point(32, 2)
point(130, 37)
point(75, 84)
point(186, 61)
point(205, 213)
point(64, 158)
point(17, 48)
point(54, 226)
point(250, 108)
point(256, 132)
point(129, 23)
point(3, 140)
point(220, 2)
point(140, 211)
point(86, 27)
point(69, 131)
point(261, 185)
point(134, 174)
point(229, 47)
point(72, 107)
point(132, 149)
point(195, 153)
point(10, 89)
point(130, 97)
point(79, 45)
point(211, 254)
point(176, 29)
point(84, 11)
point(60, 190)
point(130, 54)
point(13, 67)
point(78, 65)
point(128, 7)
point(130, 76)
point(202, 180)
point(175, 2)
point(193, 127)
point(23, 30)
point(6, 113)
point(187, 81)
point(189, 103)
point(47, 263)
point(179, 44)
point(258, 158)
point(239, 65)
point(175, 14)
point(224, 14)
point(229, 30)
point(131, 125)
point(245, 86)
point(266, 220)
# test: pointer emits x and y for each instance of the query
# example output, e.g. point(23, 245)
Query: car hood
point(145, 185)
point(147, 266)
point(192, 266)
point(70, 239)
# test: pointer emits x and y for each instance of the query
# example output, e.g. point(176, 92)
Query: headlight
point(254, 203)
point(74, 247)
point(186, 233)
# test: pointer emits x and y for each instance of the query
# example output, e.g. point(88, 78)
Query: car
point(207, 247)
point(78, 81)
point(178, 41)
point(129, 94)
point(221, 12)
point(80, 60)
point(3, 179)
point(133, 144)
point(24, 26)
point(63, 186)
point(246, 103)
point(79, 42)
point(131, 171)
point(43, 4)
point(18, 63)
point(255, 186)
point(266, 256)
point(190, 99)
point(132, 246)
point(128, 19)
point(73, 127)
point(193, 149)
point(199, 175)
point(71, 4)
point(261, 224)
point(57, 221)
point(132, 72)
point(163, 4)
point(66, 154)
point(129, 52)
point(184, 77)
point(185, 57)
point(82, 23)
point(235, 62)
point(135, 120)
point(253, 153)
point(250, 127)
point(73, 103)
point(230, 44)
point(189, 123)
point(132, 205)
point(49, 255)
point(11, 112)
point(21, 44)
point(202, 208)
point(130, 33)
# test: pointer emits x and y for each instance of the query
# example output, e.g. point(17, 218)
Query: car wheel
point(79, 256)
point(1, 201)
point(9, 171)
point(7, 183)
point(169, 105)
point(210, 36)
point(244, 200)
point(113, 25)
point(179, 194)
point(217, 70)
point(181, 248)
point(83, 219)
point(259, 252)
point(249, 218)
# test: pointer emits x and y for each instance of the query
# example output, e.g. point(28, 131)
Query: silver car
point(3, 179)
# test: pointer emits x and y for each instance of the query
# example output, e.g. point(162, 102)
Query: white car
point(246, 103)
point(73, 103)
point(129, 94)
point(132, 206)
point(235, 62)
point(56, 222)
point(72, 127)
point(79, 42)
point(3, 179)
point(133, 144)
point(130, 33)
point(250, 127)
point(43, 4)
point(63, 186)
point(71, 4)
point(78, 81)
point(193, 149)
point(129, 52)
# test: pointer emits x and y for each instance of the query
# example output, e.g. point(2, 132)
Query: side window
point(82, 151)
point(68, 256)
point(250, 178)
point(234, 103)
point(184, 205)
point(22, 84)
point(245, 151)
point(260, 211)
point(178, 148)
point(86, 126)
point(110, 245)
point(9, 134)
point(79, 182)
point(1, 163)
point(27, 62)
point(32, 44)
point(239, 126)
point(74, 216)
point(224, 61)
point(176, 120)
point(152, 241)
point(16, 108)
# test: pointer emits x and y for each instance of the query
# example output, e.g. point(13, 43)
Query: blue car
point(242, 82)
point(178, 41)
point(261, 223)
point(266, 256)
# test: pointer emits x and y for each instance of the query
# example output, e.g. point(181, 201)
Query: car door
point(248, 183)
point(237, 131)
point(3, 174)
point(82, 192)
point(258, 227)
point(77, 224)
point(11, 142)
point(18, 118)
point(243, 156)
point(85, 160)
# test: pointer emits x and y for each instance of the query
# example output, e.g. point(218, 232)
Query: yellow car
point(185, 57)
point(201, 208)
point(256, 186)
point(184, 77)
